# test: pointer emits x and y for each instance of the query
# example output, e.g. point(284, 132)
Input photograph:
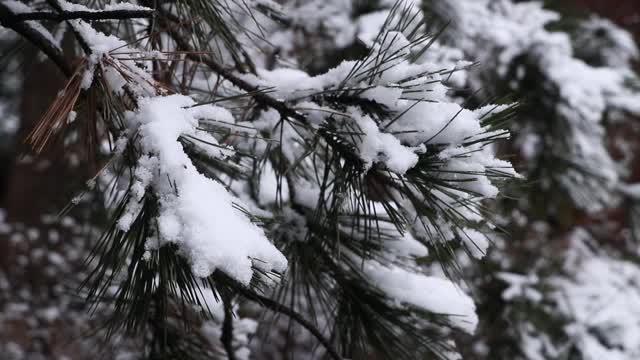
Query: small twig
point(275, 306)
point(81, 40)
point(282, 309)
point(278, 105)
point(227, 328)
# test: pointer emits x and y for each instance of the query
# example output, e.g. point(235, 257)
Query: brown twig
point(56, 117)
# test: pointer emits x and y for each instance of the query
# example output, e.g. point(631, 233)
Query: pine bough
point(232, 174)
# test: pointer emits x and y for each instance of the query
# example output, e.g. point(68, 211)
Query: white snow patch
point(196, 213)
point(430, 293)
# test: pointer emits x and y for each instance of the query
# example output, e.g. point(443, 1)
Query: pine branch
point(84, 15)
point(227, 327)
point(223, 280)
point(7, 19)
point(260, 96)
point(83, 43)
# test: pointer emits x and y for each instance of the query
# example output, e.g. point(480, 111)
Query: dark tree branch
point(7, 19)
point(230, 283)
point(84, 15)
point(263, 98)
point(16, 22)
point(282, 309)
point(83, 43)
point(227, 328)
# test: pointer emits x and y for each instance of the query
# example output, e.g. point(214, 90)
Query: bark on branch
point(7, 19)
point(282, 309)
point(84, 15)
point(278, 105)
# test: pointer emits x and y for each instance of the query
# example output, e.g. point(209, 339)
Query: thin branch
point(282, 309)
point(83, 43)
point(223, 278)
point(227, 328)
point(84, 15)
point(259, 95)
point(7, 19)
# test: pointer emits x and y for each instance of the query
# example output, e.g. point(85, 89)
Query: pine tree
point(233, 183)
point(323, 179)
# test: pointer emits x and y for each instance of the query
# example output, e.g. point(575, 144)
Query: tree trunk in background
point(34, 184)
point(41, 316)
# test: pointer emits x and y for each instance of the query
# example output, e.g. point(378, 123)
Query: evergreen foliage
point(334, 179)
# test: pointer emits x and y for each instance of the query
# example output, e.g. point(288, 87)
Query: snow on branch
point(84, 15)
point(196, 213)
point(374, 143)
point(34, 32)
